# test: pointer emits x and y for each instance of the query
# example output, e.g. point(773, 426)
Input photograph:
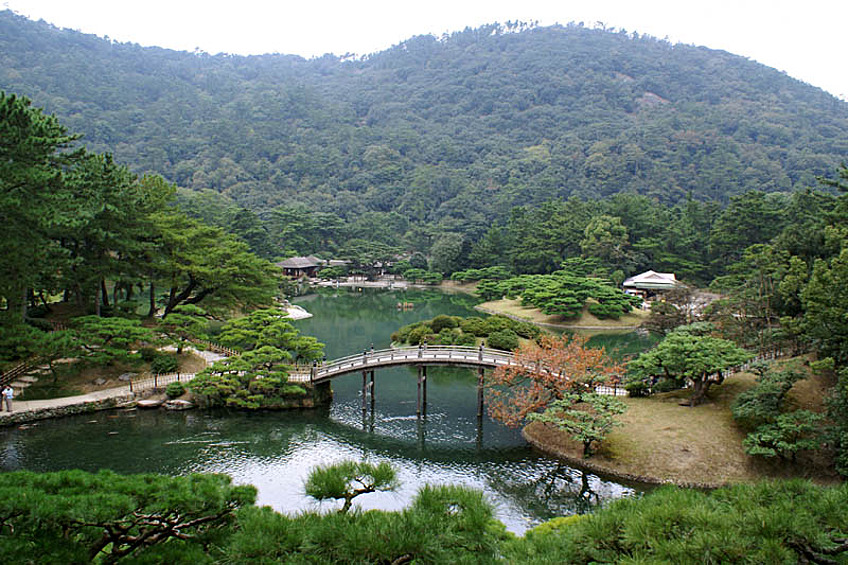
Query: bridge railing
point(375, 358)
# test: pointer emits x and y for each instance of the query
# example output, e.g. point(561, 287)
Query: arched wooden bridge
point(366, 362)
point(455, 355)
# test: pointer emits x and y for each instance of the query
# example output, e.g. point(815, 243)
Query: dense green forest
point(428, 144)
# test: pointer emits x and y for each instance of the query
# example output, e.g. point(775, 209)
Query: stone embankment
point(24, 411)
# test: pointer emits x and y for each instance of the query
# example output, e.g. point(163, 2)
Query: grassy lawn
point(531, 314)
point(671, 443)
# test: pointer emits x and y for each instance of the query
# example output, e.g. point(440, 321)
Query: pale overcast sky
point(805, 39)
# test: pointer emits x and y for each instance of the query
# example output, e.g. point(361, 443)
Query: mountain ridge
point(455, 131)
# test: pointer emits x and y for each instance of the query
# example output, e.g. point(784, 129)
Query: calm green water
point(275, 451)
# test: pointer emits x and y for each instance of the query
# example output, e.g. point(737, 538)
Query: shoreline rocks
point(45, 412)
point(150, 403)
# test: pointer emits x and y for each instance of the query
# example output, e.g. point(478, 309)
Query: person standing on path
point(8, 394)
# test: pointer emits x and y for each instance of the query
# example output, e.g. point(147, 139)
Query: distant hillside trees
point(482, 147)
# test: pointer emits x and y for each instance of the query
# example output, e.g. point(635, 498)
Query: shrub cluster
point(220, 386)
point(175, 390)
point(499, 332)
point(422, 276)
point(774, 432)
point(496, 273)
point(562, 294)
point(164, 363)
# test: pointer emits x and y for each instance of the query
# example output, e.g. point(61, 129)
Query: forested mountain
point(450, 133)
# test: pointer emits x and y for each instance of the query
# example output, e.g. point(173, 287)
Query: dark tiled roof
point(300, 263)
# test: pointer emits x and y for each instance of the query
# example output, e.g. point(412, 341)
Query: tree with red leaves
point(544, 373)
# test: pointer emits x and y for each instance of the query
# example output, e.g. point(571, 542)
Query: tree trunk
point(104, 293)
point(80, 298)
point(44, 300)
point(152, 311)
point(699, 391)
point(175, 299)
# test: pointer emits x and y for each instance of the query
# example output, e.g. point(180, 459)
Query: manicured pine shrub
point(175, 390)
point(164, 364)
point(443, 321)
point(506, 340)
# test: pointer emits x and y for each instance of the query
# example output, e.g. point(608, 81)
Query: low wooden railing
point(15, 372)
point(215, 347)
point(149, 382)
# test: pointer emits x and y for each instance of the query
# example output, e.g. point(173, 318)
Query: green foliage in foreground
point(780, 522)
point(78, 517)
point(444, 524)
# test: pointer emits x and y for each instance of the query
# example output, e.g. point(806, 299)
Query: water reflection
point(449, 443)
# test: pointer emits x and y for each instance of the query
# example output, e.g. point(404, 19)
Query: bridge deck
point(434, 355)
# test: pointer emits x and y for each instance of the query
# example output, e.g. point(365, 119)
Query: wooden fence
point(15, 372)
point(216, 348)
point(149, 382)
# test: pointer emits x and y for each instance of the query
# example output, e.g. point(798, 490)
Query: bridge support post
point(480, 432)
point(424, 383)
point(364, 390)
point(480, 392)
point(418, 406)
point(371, 386)
point(422, 390)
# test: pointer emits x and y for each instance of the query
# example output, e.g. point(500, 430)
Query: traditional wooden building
point(299, 267)
point(649, 284)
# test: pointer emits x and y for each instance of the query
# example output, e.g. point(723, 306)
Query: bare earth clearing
point(663, 442)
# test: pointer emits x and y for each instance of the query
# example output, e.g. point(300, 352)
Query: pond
point(275, 451)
